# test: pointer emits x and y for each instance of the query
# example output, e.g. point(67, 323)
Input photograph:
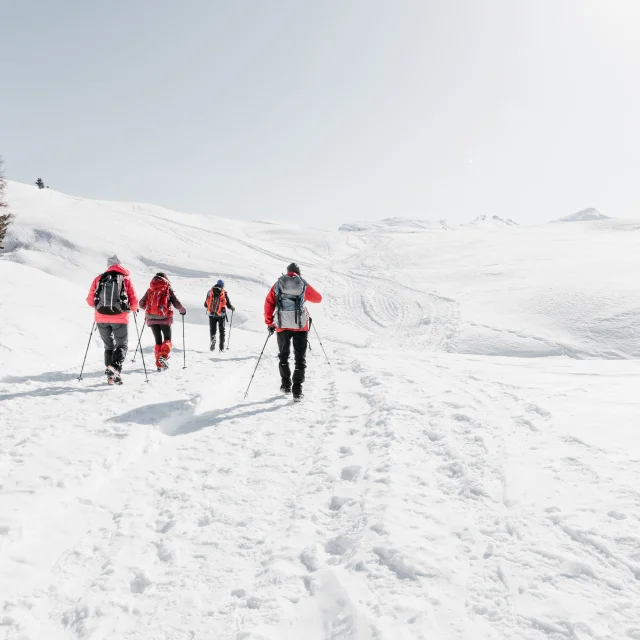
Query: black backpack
point(111, 295)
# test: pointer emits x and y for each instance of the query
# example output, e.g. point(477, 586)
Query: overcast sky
point(326, 111)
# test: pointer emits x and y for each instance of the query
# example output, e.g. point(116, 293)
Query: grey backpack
point(111, 295)
point(290, 310)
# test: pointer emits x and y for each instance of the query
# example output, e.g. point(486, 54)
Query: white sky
point(328, 111)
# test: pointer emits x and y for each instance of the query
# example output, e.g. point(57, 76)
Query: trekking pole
point(138, 347)
point(230, 327)
point(144, 366)
point(87, 351)
point(184, 347)
point(254, 371)
point(320, 341)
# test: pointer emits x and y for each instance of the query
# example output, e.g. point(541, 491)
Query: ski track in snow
point(416, 493)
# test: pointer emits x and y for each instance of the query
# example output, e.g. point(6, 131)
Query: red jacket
point(310, 295)
point(121, 318)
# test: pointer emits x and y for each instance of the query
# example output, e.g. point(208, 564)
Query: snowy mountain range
point(484, 221)
point(491, 221)
point(465, 468)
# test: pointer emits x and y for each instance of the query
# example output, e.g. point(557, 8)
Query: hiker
point(112, 296)
point(216, 304)
point(286, 314)
point(157, 303)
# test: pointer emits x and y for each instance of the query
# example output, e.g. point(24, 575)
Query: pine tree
point(5, 218)
point(40, 183)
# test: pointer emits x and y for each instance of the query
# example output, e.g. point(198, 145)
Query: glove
point(183, 312)
point(271, 330)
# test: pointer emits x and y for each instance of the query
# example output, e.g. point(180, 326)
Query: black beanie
point(293, 267)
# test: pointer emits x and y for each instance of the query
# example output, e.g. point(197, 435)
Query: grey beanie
point(113, 260)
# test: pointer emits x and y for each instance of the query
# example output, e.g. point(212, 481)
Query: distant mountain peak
point(584, 215)
point(491, 221)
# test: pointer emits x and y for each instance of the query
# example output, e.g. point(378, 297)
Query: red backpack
point(159, 299)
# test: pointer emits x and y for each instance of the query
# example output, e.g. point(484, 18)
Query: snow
point(466, 468)
point(585, 215)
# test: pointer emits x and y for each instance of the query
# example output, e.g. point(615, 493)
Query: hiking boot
point(297, 392)
point(164, 364)
point(284, 388)
point(212, 346)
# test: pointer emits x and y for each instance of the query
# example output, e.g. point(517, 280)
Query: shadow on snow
point(177, 418)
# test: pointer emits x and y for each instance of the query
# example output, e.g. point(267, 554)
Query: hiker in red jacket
point(286, 314)
point(112, 296)
point(157, 303)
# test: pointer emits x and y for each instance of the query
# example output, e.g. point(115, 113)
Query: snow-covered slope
point(428, 486)
point(584, 215)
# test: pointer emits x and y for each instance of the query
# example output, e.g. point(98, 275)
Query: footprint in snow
point(337, 502)
point(350, 473)
point(339, 545)
point(140, 583)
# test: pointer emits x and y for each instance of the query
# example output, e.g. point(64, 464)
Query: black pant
point(299, 339)
point(161, 332)
point(115, 338)
point(214, 323)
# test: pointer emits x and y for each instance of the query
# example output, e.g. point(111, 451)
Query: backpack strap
point(278, 292)
point(98, 291)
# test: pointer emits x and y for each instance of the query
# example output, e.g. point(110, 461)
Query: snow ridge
point(395, 224)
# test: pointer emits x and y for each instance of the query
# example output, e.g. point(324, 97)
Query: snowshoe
point(297, 394)
point(114, 375)
point(164, 364)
